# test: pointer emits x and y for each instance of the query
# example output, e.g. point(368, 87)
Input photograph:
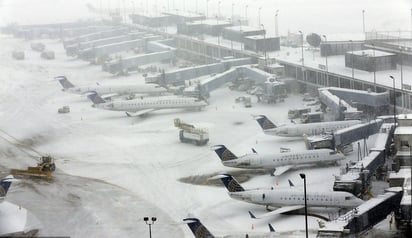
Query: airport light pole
point(374, 68)
point(150, 223)
point(394, 99)
point(327, 67)
point(303, 59)
point(147, 7)
point(276, 23)
point(326, 40)
point(303, 176)
point(363, 21)
point(246, 12)
point(401, 62)
point(218, 10)
point(233, 5)
point(264, 42)
point(207, 8)
point(352, 56)
point(260, 8)
point(218, 36)
point(240, 34)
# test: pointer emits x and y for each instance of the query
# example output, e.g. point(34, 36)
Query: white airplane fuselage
point(155, 103)
point(298, 130)
point(292, 197)
point(272, 161)
point(123, 89)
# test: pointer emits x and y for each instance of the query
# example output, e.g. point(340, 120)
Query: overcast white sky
point(328, 17)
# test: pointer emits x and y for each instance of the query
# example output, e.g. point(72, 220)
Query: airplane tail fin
point(5, 185)
point(64, 82)
point(224, 153)
point(271, 229)
point(197, 228)
point(264, 122)
point(95, 98)
point(231, 184)
point(291, 184)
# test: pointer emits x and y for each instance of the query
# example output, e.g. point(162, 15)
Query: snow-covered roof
point(371, 53)
point(403, 130)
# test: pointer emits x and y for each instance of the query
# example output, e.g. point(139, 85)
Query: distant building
point(260, 43)
point(215, 27)
point(370, 60)
point(152, 21)
point(236, 33)
point(328, 48)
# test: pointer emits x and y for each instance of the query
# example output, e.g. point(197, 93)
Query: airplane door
point(259, 198)
point(255, 161)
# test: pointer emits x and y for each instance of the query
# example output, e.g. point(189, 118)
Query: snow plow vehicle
point(43, 169)
point(189, 134)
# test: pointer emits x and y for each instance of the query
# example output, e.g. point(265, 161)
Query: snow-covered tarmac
point(143, 156)
point(114, 170)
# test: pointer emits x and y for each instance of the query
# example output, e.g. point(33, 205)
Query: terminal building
point(370, 60)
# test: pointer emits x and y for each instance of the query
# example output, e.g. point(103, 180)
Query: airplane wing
point(280, 170)
point(140, 113)
point(109, 95)
point(278, 211)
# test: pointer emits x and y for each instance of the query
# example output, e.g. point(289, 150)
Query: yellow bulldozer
point(43, 169)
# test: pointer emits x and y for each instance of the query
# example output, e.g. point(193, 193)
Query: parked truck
point(296, 113)
point(311, 117)
point(18, 55)
point(189, 134)
point(47, 55)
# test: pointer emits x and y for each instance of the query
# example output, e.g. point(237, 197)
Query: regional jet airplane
point(4, 186)
point(144, 105)
point(298, 130)
point(13, 218)
point(200, 231)
point(110, 90)
point(287, 199)
point(276, 163)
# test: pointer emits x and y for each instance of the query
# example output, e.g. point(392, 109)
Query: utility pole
point(303, 176)
point(363, 21)
point(246, 12)
point(326, 55)
point(276, 23)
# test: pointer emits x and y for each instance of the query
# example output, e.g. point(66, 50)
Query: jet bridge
point(356, 178)
point(72, 50)
point(402, 178)
point(205, 86)
point(356, 132)
point(361, 219)
point(95, 36)
point(103, 50)
point(179, 76)
point(340, 138)
point(160, 52)
point(340, 101)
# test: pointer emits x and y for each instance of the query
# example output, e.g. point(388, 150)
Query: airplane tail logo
point(231, 184)
point(197, 228)
point(64, 82)
point(264, 122)
point(223, 153)
point(5, 185)
point(95, 98)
